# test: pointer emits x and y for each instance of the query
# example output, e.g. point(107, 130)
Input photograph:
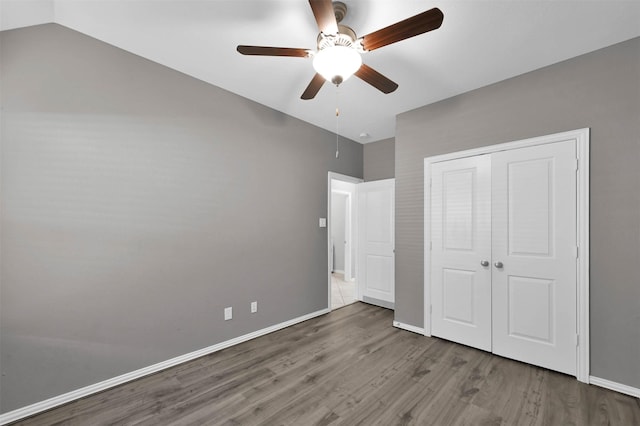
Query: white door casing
point(534, 238)
point(376, 264)
point(528, 330)
point(460, 241)
point(348, 241)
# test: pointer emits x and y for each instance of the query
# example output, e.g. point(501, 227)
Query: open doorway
point(341, 233)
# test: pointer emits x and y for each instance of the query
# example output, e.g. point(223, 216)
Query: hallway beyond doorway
point(342, 292)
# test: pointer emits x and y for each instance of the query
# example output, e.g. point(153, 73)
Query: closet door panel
point(534, 255)
point(461, 240)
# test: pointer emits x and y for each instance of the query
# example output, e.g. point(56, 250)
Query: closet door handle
point(498, 265)
point(484, 262)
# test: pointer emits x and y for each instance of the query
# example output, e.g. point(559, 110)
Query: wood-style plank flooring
point(350, 367)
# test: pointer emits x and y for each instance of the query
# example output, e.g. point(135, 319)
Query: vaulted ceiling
point(480, 42)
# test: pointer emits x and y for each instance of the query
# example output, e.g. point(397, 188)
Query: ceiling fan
point(338, 54)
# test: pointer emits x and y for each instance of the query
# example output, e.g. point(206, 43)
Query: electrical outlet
point(228, 313)
point(254, 307)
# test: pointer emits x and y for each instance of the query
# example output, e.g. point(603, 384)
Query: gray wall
point(600, 90)
point(379, 160)
point(137, 203)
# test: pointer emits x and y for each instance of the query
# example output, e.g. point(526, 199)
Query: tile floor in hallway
point(342, 292)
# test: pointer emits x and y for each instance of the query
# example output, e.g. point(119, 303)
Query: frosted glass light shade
point(337, 63)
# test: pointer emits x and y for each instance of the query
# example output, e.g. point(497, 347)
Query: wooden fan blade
point(410, 27)
point(325, 16)
point(273, 51)
point(313, 88)
point(374, 78)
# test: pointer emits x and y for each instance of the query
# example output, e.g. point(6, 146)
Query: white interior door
point(534, 241)
point(461, 251)
point(376, 265)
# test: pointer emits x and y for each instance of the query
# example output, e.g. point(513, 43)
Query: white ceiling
point(480, 42)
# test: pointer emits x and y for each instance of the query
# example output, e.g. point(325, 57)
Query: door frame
point(581, 138)
point(354, 225)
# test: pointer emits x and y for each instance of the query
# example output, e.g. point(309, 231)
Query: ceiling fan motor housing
point(346, 37)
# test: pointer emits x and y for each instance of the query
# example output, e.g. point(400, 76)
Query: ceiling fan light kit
point(338, 56)
point(339, 51)
point(337, 63)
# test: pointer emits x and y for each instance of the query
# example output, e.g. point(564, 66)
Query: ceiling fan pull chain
point(337, 117)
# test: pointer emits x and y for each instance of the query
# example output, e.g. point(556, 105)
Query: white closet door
point(461, 244)
point(534, 255)
point(376, 267)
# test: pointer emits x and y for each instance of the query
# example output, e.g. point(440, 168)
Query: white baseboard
point(408, 327)
point(618, 387)
point(65, 398)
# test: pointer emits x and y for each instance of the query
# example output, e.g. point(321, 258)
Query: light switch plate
point(228, 313)
point(323, 222)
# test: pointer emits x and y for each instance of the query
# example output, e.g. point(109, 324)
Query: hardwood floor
point(350, 367)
